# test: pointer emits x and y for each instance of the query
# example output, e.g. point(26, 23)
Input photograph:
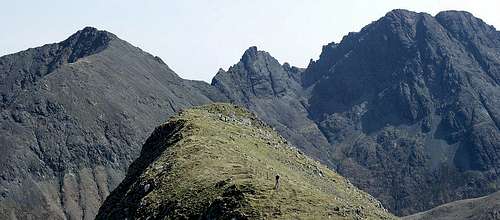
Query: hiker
point(277, 184)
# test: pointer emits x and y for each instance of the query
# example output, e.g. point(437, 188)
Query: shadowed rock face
point(73, 117)
point(21, 70)
point(274, 92)
point(411, 106)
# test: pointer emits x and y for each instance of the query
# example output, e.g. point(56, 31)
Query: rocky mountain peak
point(250, 53)
point(464, 26)
point(252, 57)
point(402, 14)
point(91, 33)
point(438, 75)
point(256, 74)
point(220, 71)
point(35, 63)
point(459, 17)
point(86, 42)
point(456, 14)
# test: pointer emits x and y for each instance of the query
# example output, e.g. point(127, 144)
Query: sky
point(197, 37)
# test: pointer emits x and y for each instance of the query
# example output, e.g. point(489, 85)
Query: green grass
point(226, 148)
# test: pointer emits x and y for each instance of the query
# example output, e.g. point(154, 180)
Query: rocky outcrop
point(411, 105)
point(73, 117)
point(274, 92)
point(219, 162)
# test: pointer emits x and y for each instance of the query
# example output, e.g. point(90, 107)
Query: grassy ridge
point(223, 165)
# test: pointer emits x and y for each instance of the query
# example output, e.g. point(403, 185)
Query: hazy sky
point(196, 38)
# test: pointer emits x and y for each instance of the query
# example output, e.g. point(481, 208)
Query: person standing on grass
point(277, 184)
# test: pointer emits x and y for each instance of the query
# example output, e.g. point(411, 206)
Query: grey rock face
point(274, 92)
point(407, 108)
point(21, 70)
point(411, 105)
point(73, 117)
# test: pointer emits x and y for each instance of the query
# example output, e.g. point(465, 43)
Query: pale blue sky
point(196, 38)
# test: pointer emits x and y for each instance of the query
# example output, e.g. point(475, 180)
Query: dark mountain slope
point(274, 92)
point(407, 108)
point(219, 162)
point(411, 105)
point(21, 70)
point(74, 115)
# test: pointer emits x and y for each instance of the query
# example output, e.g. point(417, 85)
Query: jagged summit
point(457, 16)
point(465, 27)
point(273, 91)
point(252, 55)
point(92, 30)
point(451, 14)
point(261, 73)
point(400, 13)
point(21, 70)
point(456, 13)
point(219, 162)
point(428, 85)
point(251, 52)
point(86, 42)
point(90, 34)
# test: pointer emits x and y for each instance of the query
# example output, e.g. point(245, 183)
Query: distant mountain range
point(407, 109)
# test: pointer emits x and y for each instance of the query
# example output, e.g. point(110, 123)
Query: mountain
point(274, 92)
point(74, 115)
point(487, 207)
point(408, 108)
point(411, 106)
point(219, 161)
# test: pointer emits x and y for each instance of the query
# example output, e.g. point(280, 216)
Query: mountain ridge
point(219, 161)
point(409, 75)
point(406, 109)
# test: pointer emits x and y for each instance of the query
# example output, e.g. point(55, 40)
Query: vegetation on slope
point(486, 207)
point(219, 162)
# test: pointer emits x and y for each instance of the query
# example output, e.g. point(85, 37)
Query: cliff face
point(73, 117)
point(408, 108)
point(274, 92)
point(219, 162)
point(411, 106)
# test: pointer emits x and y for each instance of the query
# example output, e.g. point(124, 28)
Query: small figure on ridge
point(277, 184)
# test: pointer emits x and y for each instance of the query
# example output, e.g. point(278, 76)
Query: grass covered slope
point(219, 162)
point(483, 208)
